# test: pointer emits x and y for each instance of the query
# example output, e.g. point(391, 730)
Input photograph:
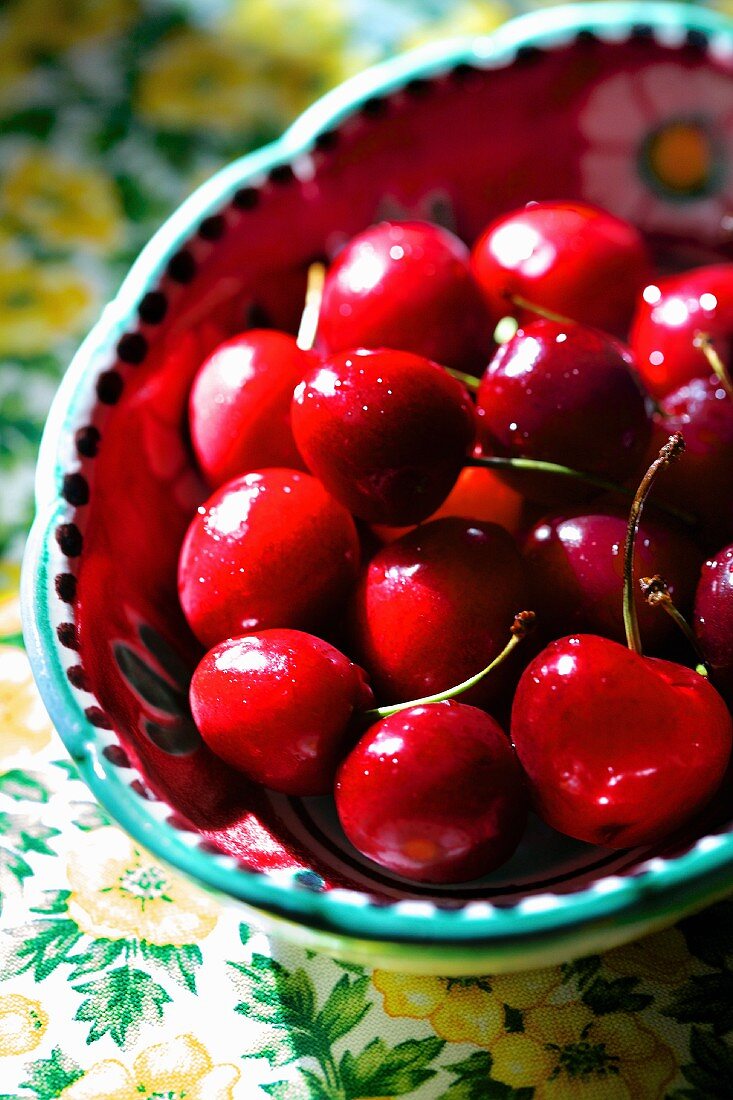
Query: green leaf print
point(346, 1006)
point(14, 866)
point(582, 971)
point(120, 1002)
point(180, 961)
point(287, 1090)
point(88, 816)
point(24, 786)
point(97, 955)
point(616, 995)
point(53, 902)
point(474, 1081)
point(711, 1072)
point(40, 947)
point(379, 1071)
point(709, 935)
point(704, 999)
point(48, 1077)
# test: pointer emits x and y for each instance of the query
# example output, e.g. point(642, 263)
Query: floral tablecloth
point(118, 979)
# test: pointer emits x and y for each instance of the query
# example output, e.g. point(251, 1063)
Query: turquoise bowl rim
point(661, 887)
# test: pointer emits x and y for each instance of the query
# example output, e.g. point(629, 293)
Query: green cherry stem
point(536, 465)
point(656, 593)
point(468, 380)
point(541, 311)
point(311, 311)
point(702, 340)
point(523, 625)
point(674, 446)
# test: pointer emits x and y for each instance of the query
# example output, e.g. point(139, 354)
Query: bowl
point(559, 104)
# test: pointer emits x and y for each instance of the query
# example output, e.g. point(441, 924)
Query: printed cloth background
point(119, 980)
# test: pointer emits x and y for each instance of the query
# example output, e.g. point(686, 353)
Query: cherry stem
point(674, 446)
point(656, 593)
point(702, 340)
point(541, 311)
point(522, 626)
point(536, 465)
point(306, 337)
point(468, 380)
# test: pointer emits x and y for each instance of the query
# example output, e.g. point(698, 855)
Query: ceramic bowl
point(585, 101)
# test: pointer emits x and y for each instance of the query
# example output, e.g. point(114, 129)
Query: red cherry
point(714, 619)
point(435, 606)
point(387, 432)
point(278, 706)
point(670, 314)
point(268, 549)
point(566, 257)
point(406, 285)
point(576, 563)
point(433, 793)
point(564, 394)
point(239, 409)
point(618, 749)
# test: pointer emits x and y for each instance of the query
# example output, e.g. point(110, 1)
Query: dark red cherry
point(575, 560)
point(433, 793)
point(278, 706)
point(714, 619)
point(406, 285)
point(387, 432)
point(268, 549)
point(564, 394)
point(702, 484)
point(618, 749)
point(671, 312)
point(567, 257)
point(239, 409)
point(435, 606)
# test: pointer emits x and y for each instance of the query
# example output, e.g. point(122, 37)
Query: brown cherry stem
point(674, 446)
point(541, 311)
point(707, 347)
point(536, 465)
point(656, 593)
point(311, 311)
point(522, 626)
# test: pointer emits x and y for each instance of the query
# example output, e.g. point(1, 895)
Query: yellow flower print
point(118, 890)
point(58, 24)
point(9, 599)
point(181, 1067)
point(39, 305)
point(23, 719)
point(662, 957)
point(467, 18)
point(62, 204)
point(22, 1024)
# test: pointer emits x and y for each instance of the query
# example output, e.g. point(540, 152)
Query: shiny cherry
point(386, 432)
point(575, 560)
point(714, 619)
point(565, 394)
point(268, 549)
point(406, 285)
point(618, 749)
point(279, 706)
point(239, 408)
point(434, 606)
point(566, 257)
point(433, 793)
point(670, 314)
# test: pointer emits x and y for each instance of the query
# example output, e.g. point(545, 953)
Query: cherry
point(434, 606)
point(407, 285)
point(566, 257)
point(619, 749)
point(670, 314)
point(433, 793)
point(563, 393)
point(239, 409)
point(575, 560)
point(268, 549)
point(714, 619)
point(278, 705)
point(386, 431)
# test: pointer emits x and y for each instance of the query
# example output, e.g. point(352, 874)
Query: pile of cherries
point(386, 507)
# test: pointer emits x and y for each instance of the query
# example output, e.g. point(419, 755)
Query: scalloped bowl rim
point(659, 886)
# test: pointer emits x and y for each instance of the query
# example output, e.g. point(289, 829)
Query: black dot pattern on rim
point(642, 31)
point(132, 348)
point(180, 823)
point(281, 174)
point(463, 71)
point(69, 538)
point(211, 229)
point(374, 107)
point(418, 87)
point(109, 387)
point(586, 37)
point(140, 789)
point(77, 677)
point(181, 267)
point(98, 718)
point(696, 40)
point(246, 198)
point(310, 880)
point(87, 441)
point(66, 634)
point(65, 584)
point(75, 489)
point(326, 141)
point(153, 308)
point(527, 55)
point(117, 756)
